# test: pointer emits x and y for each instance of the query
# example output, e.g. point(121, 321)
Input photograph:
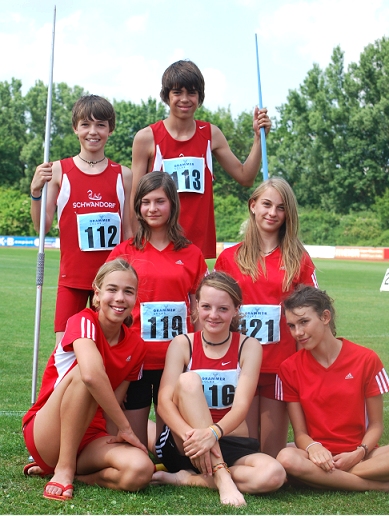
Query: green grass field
point(362, 317)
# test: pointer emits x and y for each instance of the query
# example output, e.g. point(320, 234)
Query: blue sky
point(120, 48)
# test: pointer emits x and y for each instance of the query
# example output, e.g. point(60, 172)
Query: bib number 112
point(92, 233)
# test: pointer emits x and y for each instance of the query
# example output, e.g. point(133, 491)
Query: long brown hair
point(147, 184)
point(248, 256)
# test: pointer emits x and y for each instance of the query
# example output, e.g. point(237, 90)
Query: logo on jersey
point(95, 201)
point(128, 358)
point(94, 197)
point(179, 262)
point(349, 377)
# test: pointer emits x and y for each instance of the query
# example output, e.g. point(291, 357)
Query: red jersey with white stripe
point(84, 205)
point(263, 298)
point(219, 376)
point(162, 308)
point(197, 212)
point(333, 398)
point(122, 362)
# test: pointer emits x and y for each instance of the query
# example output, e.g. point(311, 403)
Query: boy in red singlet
point(91, 194)
point(183, 147)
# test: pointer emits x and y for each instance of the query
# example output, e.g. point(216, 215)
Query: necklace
point(271, 250)
point(91, 163)
point(215, 343)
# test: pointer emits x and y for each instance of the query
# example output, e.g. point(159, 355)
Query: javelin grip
point(40, 269)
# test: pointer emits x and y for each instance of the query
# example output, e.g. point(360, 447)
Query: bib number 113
point(187, 173)
point(191, 180)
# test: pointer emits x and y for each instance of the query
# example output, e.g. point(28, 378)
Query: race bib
point(187, 173)
point(219, 387)
point(162, 321)
point(261, 322)
point(98, 231)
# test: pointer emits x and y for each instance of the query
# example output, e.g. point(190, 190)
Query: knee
point(290, 460)
point(77, 379)
point(275, 476)
point(136, 475)
point(189, 382)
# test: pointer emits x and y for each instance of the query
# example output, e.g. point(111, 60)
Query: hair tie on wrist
point(311, 444)
point(35, 198)
point(220, 428)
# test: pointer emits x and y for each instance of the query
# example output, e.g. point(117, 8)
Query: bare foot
point(33, 470)
point(228, 492)
point(181, 478)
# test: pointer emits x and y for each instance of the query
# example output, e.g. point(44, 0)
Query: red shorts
point(267, 385)
point(70, 301)
point(91, 434)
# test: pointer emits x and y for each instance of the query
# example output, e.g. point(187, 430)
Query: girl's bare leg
point(274, 422)
point(119, 466)
point(138, 419)
point(252, 418)
point(297, 464)
point(61, 424)
point(258, 473)
point(376, 467)
point(193, 407)
point(154, 430)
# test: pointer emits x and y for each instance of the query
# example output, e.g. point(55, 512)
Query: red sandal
point(52, 496)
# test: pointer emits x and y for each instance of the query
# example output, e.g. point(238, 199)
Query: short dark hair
point(182, 74)
point(308, 296)
point(93, 106)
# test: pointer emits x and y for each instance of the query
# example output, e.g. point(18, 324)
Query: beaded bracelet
point(311, 444)
point(214, 433)
point(220, 465)
point(36, 198)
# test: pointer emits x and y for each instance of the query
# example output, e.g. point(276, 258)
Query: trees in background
point(329, 141)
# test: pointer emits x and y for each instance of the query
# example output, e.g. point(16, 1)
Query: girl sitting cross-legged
point(334, 392)
point(207, 386)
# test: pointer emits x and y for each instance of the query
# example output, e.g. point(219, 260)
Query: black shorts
point(142, 392)
point(232, 448)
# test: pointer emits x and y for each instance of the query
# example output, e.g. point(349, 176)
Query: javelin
point(42, 232)
point(263, 134)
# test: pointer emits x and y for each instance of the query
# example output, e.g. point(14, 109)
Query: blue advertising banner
point(27, 241)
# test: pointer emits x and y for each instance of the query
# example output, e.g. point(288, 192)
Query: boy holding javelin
point(91, 194)
point(183, 147)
